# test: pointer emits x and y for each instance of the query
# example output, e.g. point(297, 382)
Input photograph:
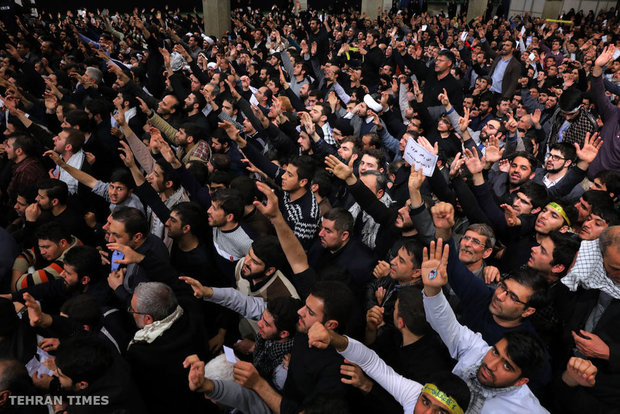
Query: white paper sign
point(418, 156)
point(424, 27)
point(522, 30)
point(463, 36)
point(604, 38)
point(230, 355)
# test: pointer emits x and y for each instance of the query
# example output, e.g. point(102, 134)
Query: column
point(476, 8)
point(216, 14)
point(371, 7)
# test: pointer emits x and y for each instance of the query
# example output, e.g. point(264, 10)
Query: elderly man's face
point(611, 263)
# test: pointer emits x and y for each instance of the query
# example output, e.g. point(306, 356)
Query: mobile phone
point(116, 255)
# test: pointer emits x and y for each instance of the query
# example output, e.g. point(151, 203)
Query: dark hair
point(75, 138)
point(568, 151)
point(610, 215)
point(199, 170)
point(85, 260)
point(305, 167)
point(168, 173)
point(192, 130)
point(221, 162)
point(83, 309)
point(230, 201)
point(533, 280)
point(411, 310)
point(571, 212)
point(377, 154)
point(192, 215)
point(123, 175)
point(326, 403)
point(611, 179)
point(379, 176)
point(29, 193)
point(220, 177)
point(322, 179)
point(99, 107)
point(448, 55)
point(15, 377)
point(78, 118)
point(247, 187)
point(133, 220)
point(453, 386)
point(199, 99)
point(375, 143)
point(284, 311)
point(537, 193)
point(565, 248)
point(529, 157)
point(54, 189)
point(337, 301)
point(570, 99)
point(526, 351)
point(83, 358)
point(54, 232)
point(25, 143)
point(342, 218)
point(414, 249)
point(268, 250)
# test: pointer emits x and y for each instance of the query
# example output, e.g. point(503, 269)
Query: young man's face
point(69, 275)
point(117, 233)
point(50, 250)
point(369, 162)
point(402, 267)
point(290, 179)
point(346, 151)
point(592, 227)
point(156, 179)
point(20, 206)
point(497, 369)
point(541, 256)
point(118, 192)
point(520, 171)
point(548, 220)
point(555, 161)
point(509, 301)
point(216, 215)
point(174, 225)
point(329, 236)
point(60, 142)
point(311, 312)
point(43, 200)
point(267, 327)
point(253, 267)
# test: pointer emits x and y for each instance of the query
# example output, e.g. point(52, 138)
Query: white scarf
point(156, 329)
point(371, 227)
point(589, 272)
point(76, 161)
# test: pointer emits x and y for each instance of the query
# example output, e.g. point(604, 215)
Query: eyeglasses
point(554, 157)
point(474, 241)
point(130, 310)
point(513, 296)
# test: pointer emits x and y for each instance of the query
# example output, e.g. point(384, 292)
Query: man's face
point(482, 84)
point(20, 206)
point(156, 179)
point(253, 267)
point(611, 263)
point(472, 247)
point(181, 137)
point(548, 220)
point(369, 162)
point(66, 383)
point(541, 256)
point(174, 226)
point(316, 113)
point(166, 105)
point(10, 149)
point(60, 142)
point(520, 171)
point(118, 192)
point(402, 267)
point(290, 179)
point(403, 220)
point(217, 146)
point(506, 48)
point(497, 369)
point(427, 404)
point(551, 101)
point(216, 215)
point(310, 313)
point(442, 64)
point(330, 237)
point(555, 162)
point(503, 107)
point(468, 103)
point(118, 234)
point(227, 107)
point(509, 301)
point(592, 227)
point(137, 317)
point(189, 102)
point(70, 276)
point(50, 250)
point(267, 327)
point(346, 151)
point(43, 200)
point(304, 142)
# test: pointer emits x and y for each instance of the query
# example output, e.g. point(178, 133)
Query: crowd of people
point(198, 223)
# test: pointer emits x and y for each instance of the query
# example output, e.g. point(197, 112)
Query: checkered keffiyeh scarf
point(269, 354)
point(588, 271)
point(479, 393)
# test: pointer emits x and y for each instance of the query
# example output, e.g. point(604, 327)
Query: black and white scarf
point(269, 354)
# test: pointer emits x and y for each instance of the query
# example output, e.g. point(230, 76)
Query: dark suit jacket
point(511, 75)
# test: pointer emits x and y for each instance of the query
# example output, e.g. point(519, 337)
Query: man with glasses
point(476, 246)
point(559, 160)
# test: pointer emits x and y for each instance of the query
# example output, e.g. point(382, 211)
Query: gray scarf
point(479, 393)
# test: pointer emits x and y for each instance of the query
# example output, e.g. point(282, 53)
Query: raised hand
point(493, 153)
point(512, 217)
point(270, 209)
point(443, 215)
point(535, 117)
point(200, 291)
point(434, 149)
point(455, 167)
point(474, 164)
point(382, 269)
point(433, 269)
point(127, 155)
point(318, 336)
point(353, 375)
point(416, 179)
point(374, 318)
point(604, 58)
point(591, 145)
point(339, 168)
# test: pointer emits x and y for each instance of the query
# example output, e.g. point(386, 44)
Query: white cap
point(372, 104)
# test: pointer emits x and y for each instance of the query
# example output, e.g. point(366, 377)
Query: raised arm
point(84, 178)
